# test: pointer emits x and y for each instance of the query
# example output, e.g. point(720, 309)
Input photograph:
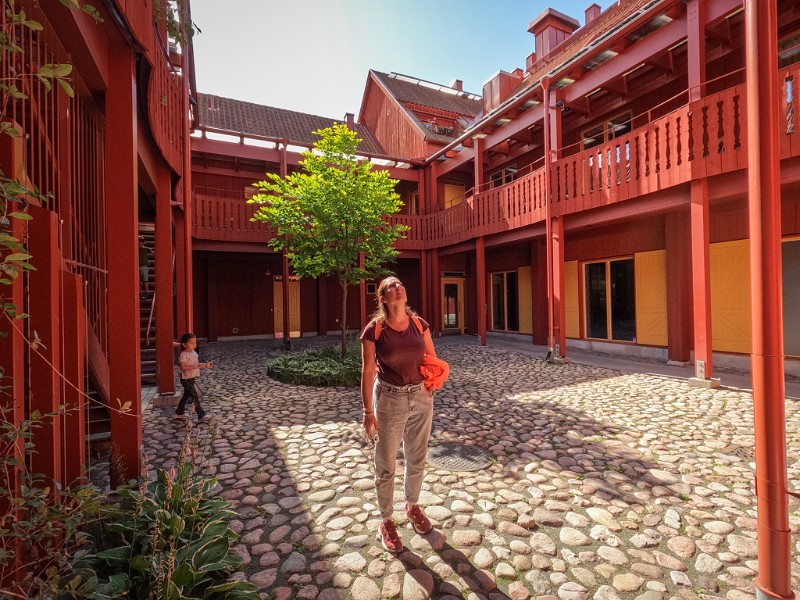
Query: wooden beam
point(617, 86)
point(662, 62)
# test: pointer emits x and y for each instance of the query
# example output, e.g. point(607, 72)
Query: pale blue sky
point(313, 55)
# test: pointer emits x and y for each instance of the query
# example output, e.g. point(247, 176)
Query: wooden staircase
point(147, 316)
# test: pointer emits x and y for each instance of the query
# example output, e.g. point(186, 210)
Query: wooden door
point(453, 305)
point(294, 307)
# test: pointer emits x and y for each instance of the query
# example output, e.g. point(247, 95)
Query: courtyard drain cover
point(459, 457)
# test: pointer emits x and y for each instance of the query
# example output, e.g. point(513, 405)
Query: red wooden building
point(115, 160)
point(622, 193)
point(597, 197)
point(624, 123)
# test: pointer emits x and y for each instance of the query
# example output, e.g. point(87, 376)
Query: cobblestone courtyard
point(604, 484)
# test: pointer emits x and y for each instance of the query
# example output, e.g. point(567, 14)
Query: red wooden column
point(284, 171)
point(74, 370)
point(679, 289)
point(186, 182)
point(123, 300)
point(362, 296)
point(559, 303)
point(548, 218)
point(165, 323)
point(698, 212)
point(322, 305)
point(436, 292)
point(181, 282)
point(766, 293)
point(12, 357)
point(480, 287)
point(424, 283)
point(44, 308)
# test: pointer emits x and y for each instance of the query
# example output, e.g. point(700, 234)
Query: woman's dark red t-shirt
point(398, 354)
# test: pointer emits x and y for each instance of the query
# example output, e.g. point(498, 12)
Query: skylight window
point(563, 82)
point(652, 25)
point(603, 57)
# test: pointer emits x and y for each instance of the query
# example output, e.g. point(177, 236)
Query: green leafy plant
point(43, 528)
point(330, 218)
point(318, 367)
point(169, 538)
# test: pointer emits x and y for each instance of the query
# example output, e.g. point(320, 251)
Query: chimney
point(530, 61)
point(592, 13)
point(457, 85)
point(550, 29)
point(349, 120)
point(499, 87)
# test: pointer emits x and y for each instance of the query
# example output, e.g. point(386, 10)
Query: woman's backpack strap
point(378, 329)
point(418, 323)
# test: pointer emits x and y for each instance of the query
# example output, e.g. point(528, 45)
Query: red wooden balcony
point(703, 138)
point(218, 216)
point(165, 87)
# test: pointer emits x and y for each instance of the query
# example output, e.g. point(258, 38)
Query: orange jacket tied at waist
point(435, 371)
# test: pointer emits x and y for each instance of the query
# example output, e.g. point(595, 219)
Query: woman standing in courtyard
point(396, 403)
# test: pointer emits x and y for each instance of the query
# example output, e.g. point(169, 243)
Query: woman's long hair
point(382, 314)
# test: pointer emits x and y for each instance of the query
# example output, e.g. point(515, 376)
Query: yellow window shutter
point(730, 296)
point(571, 303)
point(650, 270)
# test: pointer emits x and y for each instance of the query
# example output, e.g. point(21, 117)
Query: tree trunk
point(344, 319)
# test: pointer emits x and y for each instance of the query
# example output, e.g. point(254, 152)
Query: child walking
point(190, 366)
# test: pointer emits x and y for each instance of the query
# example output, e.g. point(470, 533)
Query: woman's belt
point(401, 389)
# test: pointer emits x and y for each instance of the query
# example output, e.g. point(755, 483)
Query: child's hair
point(186, 337)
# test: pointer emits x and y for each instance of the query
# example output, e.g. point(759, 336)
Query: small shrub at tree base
point(319, 367)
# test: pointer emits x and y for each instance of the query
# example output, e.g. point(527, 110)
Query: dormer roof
point(238, 116)
point(406, 89)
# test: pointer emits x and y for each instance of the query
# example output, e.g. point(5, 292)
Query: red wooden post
point(559, 305)
point(181, 281)
point(165, 324)
point(44, 309)
point(480, 285)
point(424, 287)
point(701, 285)
point(122, 198)
point(284, 171)
point(766, 292)
point(435, 314)
point(74, 370)
point(551, 341)
point(698, 211)
point(186, 180)
point(362, 295)
point(12, 358)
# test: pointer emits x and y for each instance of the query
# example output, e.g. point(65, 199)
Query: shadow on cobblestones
point(601, 480)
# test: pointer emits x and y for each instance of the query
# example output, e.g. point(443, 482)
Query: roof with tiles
point(424, 93)
point(237, 116)
point(611, 18)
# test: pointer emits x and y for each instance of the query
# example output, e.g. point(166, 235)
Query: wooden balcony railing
point(703, 138)
point(220, 218)
point(165, 106)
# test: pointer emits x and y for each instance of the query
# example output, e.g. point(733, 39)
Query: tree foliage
point(333, 212)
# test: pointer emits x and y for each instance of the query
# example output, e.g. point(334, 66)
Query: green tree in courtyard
point(331, 212)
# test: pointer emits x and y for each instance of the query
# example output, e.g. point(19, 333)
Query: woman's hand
point(370, 425)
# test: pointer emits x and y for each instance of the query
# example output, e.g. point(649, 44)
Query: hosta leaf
point(209, 553)
point(121, 553)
